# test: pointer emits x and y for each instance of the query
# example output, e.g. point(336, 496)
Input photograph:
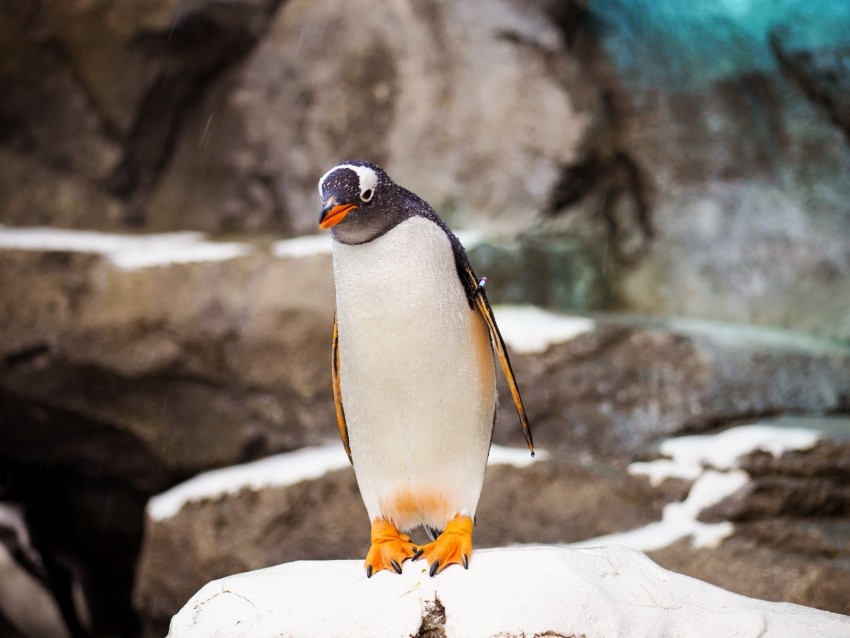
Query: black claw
point(395, 565)
point(434, 567)
point(419, 551)
point(465, 559)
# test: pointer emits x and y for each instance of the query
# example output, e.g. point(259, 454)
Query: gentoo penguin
point(413, 367)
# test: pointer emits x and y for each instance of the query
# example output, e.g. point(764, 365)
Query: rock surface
point(121, 378)
point(703, 184)
point(401, 89)
point(733, 150)
point(118, 381)
point(251, 528)
point(147, 358)
point(792, 529)
point(133, 364)
point(703, 178)
point(237, 527)
point(602, 592)
point(626, 384)
point(804, 561)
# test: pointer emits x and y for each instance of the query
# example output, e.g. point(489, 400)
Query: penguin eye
point(366, 195)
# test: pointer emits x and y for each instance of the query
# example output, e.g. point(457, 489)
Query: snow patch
point(679, 520)
point(306, 246)
point(129, 252)
point(469, 238)
point(281, 470)
point(278, 470)
point(690, 454)
point(514, 456)
point(690, 458)
point(528, 591)
point(530, 330)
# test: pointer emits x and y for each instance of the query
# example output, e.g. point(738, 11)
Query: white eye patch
point(368, 180)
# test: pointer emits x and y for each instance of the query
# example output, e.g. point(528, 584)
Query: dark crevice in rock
point(86, 531)
point(203, 43)
point(25, 426)
point(25, 355)
point(606, 171)
point(574, 21)
point(624, 200)
point(433, 620)
point(819, 76)
point(575, 183)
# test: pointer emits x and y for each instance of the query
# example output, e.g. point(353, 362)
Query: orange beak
point(334, 213)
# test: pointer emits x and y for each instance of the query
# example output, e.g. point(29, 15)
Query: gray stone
point(467, 105)
point(792, 526)
point(625, 385)
point(325, 518)
point(811, 483)
point(95, 96)
point(196, 365)
point(189, 366)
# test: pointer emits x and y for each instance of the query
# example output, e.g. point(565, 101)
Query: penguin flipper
point(486, 311)
point(337, 389)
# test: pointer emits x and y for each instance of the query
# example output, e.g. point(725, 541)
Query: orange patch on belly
point(408, 508)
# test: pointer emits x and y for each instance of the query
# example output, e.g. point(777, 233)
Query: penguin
point(413, 366)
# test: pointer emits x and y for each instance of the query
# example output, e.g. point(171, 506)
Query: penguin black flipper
point(340, 411)
point(479, 297)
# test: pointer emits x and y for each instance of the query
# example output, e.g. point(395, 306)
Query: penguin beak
point(334, 213)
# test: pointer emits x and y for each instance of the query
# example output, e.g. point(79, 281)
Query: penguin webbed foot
point(453, 546)
point(390, 548)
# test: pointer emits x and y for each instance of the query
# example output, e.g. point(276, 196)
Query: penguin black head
point(360, 202)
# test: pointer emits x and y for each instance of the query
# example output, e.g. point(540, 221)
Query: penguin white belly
point(417, 376)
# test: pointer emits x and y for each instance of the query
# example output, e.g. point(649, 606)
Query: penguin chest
point(416, 374)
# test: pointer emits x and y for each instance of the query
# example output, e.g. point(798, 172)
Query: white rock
point(601, 592)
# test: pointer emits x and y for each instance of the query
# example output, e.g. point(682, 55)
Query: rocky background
point(626, 159)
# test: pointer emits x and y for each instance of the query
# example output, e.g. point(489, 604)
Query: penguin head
point(359, 202)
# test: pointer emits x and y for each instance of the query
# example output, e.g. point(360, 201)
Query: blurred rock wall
point(622, 156)
point(693, 156)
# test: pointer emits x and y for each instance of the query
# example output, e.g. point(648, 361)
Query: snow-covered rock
point(541, 591)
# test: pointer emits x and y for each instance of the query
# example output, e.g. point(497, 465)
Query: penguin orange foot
point(390, 548)
point(453, 546)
